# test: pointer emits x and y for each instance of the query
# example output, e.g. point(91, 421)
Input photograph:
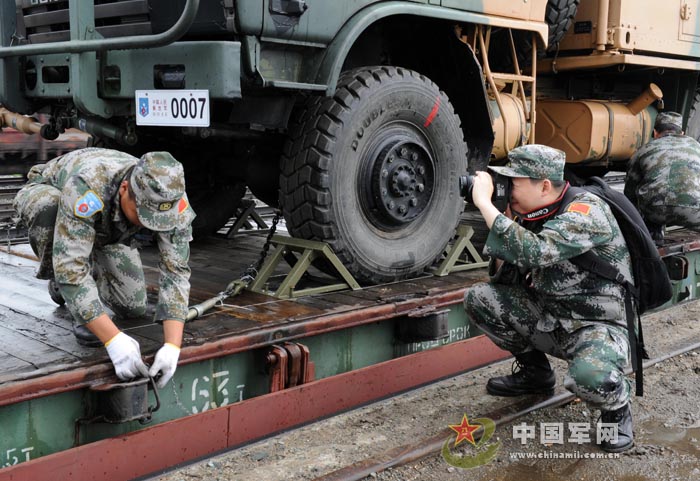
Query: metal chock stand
point(245, 215)
point(300, 254)
point(458, 254)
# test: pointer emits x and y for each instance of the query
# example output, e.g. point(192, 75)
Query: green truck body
point(354, 117)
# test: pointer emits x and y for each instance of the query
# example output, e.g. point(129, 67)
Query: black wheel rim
point(397, 179)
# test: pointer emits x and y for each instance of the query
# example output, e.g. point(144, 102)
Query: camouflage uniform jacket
point(665, 172)
point(571, 297)
point(102, 171)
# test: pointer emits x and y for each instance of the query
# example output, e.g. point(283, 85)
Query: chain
point(251, 272)
point(266, 247)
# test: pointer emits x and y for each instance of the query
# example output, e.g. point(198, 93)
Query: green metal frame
point(454, 262)
point(134, 57)
point(309, 251)
point(84, 38)
point(83, 71)
point(244, 215)
point(46, 425)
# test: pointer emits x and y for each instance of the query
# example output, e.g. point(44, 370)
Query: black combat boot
point(625, 436)
point(84, 336)
point(532, 374)
point(55, 293)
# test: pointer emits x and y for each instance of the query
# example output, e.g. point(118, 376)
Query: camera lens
point(466, 185)
point(501, 190)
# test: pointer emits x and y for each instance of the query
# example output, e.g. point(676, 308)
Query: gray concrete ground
point(667, 429)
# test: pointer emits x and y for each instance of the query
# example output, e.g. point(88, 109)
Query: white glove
point(125, 354)
point(165, 363)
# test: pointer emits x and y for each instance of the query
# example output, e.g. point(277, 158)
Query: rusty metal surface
point(39, 326)
point(41, 333)
point(68, 379)
point(679, 241)
point(128, 457)
point(44, 359)
point(168, 444)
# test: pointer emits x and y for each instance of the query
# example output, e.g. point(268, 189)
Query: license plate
point(177, 108)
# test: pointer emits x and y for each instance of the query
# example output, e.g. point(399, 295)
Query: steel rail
point(433, 445)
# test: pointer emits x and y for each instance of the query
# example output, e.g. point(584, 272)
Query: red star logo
point(464, 431)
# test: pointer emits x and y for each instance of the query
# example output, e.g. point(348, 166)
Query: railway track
point(433, 445)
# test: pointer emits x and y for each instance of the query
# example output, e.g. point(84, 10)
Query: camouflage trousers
point(672, 215)
point(597, 353)
point(116, 268)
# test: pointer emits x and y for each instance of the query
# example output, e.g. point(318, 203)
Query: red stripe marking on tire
point(433, 113)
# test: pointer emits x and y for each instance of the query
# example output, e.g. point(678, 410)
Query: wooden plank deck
point(37, 335)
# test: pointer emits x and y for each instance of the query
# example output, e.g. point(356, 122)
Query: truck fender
point(337, 51)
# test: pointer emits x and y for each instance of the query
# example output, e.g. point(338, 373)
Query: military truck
point(355, 117)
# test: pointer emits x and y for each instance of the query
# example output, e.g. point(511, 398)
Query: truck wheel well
point(430, 47)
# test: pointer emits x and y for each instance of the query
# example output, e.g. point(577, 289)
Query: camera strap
point(541, 213)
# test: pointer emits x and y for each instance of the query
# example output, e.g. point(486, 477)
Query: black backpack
point(652, 286)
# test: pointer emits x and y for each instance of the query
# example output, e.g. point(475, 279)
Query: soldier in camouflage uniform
point(83, 210)
point(663, 177)
point(539, 303)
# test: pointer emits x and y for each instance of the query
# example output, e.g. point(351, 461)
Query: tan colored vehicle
point(355, 117)
point(598, 88)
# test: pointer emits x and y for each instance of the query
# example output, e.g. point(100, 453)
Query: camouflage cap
point(534, 161)
point(669, 118)
point(158, 182)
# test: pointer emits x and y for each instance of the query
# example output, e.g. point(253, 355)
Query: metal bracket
point(423, 324)
point(287, 248)
point(125, 401)
point(245, 213)
point(83, 72)
point(289, 365)
point(454, 262)
point(677, 267)
point(119, 403)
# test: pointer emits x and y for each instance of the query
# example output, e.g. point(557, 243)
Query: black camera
point(501, 190)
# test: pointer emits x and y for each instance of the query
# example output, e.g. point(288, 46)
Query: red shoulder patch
point(579, 207)
point(182, 205)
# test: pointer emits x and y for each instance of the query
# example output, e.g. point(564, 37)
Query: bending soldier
point(539, 303)
point(83, 210)
point(663, 177)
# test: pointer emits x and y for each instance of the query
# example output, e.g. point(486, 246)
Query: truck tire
point(559, 15)
point(214, 206)
point(373, 171)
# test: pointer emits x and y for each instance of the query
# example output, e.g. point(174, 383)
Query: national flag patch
point(579, 207)
point(182, 205)
point(87, 205)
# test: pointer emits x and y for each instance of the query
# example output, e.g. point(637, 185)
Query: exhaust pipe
point(26, 125)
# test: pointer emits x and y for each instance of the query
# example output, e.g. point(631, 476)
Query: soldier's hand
point(483, 189)
point(125, 353)
point(165, 363)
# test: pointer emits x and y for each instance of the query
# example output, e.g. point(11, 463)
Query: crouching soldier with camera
point(539, 303)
